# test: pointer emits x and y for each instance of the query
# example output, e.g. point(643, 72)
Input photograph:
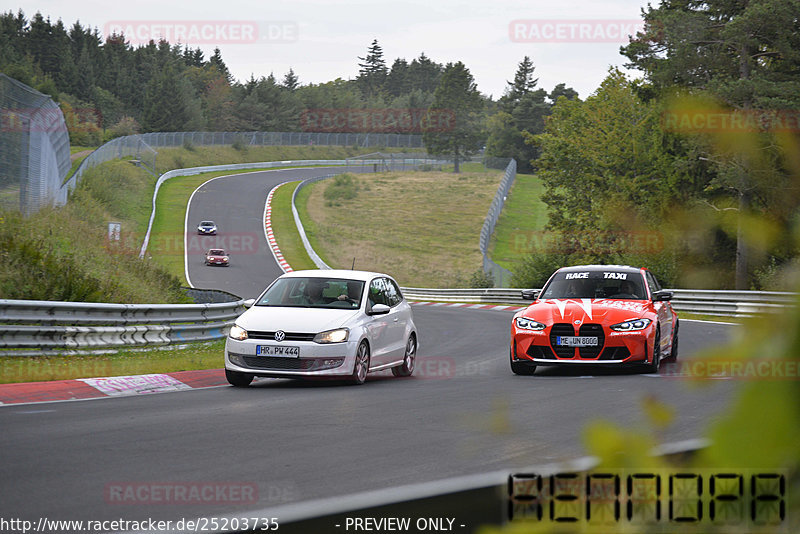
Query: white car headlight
point(238, 333)
point(631, 325)
point(339, 335)
point(529, 324)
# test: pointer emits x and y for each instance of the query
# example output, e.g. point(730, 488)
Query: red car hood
point(602, 311)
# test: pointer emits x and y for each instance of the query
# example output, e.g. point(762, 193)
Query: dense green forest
point(701, 153)
point(107, 87)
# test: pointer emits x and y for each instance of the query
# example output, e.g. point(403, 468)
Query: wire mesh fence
point(34, 147)
point(501, 276)
point(141, 147)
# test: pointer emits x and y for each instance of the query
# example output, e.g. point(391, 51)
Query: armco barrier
point(35, 327)
point(32, 328)
point(709, 302)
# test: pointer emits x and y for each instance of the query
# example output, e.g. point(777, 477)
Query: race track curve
point(463, 412)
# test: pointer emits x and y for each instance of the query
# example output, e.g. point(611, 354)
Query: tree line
point(693, 169)
point(107, 87)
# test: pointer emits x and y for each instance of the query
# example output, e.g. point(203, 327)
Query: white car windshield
point(314, 292)
point(595, 285)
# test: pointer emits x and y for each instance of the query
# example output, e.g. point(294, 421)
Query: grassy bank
point(285, 230)
point(64, 254)
point(421, 227)
point(520, 227)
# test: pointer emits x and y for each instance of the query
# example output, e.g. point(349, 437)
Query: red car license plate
point(577, 341)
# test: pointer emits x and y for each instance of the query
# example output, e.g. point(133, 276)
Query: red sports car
point(595, 314)
point(217, 256)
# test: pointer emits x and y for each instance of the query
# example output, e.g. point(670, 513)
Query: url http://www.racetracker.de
point(203, 524)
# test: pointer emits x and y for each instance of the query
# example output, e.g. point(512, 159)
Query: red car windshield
point(595, 285)
point(216, 252)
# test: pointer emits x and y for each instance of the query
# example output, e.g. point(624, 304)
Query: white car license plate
point(576, 341)
point(278, 350)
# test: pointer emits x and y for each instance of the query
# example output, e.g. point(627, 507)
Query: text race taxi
point(326, 323)
point(595, 314)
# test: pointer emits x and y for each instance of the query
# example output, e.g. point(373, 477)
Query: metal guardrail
point(36, 328)
point(709, 302)
point(299, 224)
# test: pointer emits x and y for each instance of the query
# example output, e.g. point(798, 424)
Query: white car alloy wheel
point(361, 367)
point(409, 360)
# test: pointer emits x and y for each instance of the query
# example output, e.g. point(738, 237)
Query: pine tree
point(164, 110)
point(424, 73)
point(456, 96)
point(523, 83)
point(372, 71)
point(290, 80)
point(398, 82)
point(217, 61)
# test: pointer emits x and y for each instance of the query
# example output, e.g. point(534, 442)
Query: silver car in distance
point(323, 324)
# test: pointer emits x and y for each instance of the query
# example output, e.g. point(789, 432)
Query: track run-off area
point(285, 441)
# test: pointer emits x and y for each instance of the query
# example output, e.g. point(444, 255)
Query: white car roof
point(335, 273)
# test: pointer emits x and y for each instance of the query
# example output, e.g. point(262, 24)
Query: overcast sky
point(572, 41)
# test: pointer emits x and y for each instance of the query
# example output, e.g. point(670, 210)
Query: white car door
point(399, 315)
point(379, 326)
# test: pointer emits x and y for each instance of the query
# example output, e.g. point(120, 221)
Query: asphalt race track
point(463, 412)
point(236, 204)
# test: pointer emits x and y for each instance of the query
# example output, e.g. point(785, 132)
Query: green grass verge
point(520, 227)
point(75, 164)
point(78, 148)
point(421, 227)
point(310, 226)
point(285, 230)
point(132, 362)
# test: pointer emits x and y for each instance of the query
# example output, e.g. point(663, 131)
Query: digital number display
point(678, 498)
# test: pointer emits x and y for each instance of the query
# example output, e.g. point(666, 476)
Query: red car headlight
point(528, 324)
point(631, 325)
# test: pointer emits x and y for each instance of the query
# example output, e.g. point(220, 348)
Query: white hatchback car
point(325, 323)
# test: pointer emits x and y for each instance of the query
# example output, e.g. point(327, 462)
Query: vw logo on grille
point(280, 335)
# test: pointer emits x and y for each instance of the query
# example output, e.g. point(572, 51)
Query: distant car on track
point(325, 323)
point(217, 256)
point(611, 315)
point(207, 228)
